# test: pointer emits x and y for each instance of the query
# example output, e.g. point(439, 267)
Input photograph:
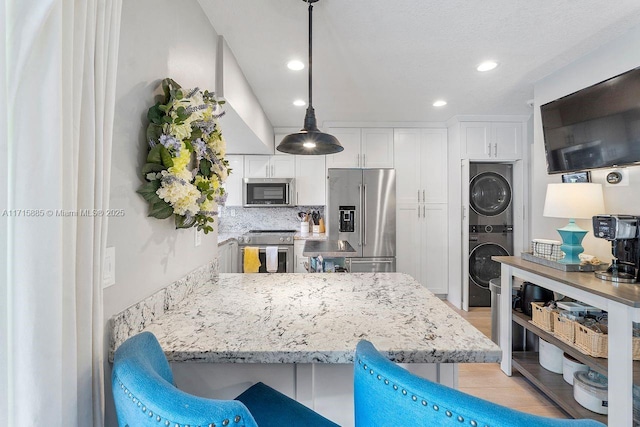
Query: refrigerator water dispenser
point(347, 219)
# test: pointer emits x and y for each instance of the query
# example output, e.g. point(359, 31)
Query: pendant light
point(310, 140)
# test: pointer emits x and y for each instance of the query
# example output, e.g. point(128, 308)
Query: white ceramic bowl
point(570, 366)
point(550, 357)
point(591, 392)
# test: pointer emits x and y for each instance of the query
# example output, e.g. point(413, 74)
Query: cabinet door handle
point(364, 160)
point(424, 211)
point(489, 149)
point(495, 149)
point(418, 211)
point(424, 198)
point(272, 168)
point(358, 159)
point(297, 198)
point(418, 196)
point(266, 172)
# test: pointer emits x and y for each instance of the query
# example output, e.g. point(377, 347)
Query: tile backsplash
point(235, 219)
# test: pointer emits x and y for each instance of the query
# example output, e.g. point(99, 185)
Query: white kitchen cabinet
point(233, 184)
point(278, 166)
point(421, 244)
point(363, 148)
point(421, 165)
point(491, 140)
point(228, 257)
point(299, 259)
point(311, 181)
point(421, 212)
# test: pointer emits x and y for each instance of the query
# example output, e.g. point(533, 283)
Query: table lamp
point(579, 200)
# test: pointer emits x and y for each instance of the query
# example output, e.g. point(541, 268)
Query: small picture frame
point(576, 177)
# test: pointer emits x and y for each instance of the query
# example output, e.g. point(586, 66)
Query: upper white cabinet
point(491, 140)
point(363, 148)
point(278, 166)
point(233, 184)
point(310, 181)
point(421, 165)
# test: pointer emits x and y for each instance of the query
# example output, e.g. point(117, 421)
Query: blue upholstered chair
point(145, 395)
point(388, 395)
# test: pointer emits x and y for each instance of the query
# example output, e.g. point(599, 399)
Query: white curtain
point(60, 87)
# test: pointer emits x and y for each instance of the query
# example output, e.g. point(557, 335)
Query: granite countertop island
point(314, 318)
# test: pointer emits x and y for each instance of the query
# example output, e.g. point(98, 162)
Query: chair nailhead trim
point(225, 422)
point(237, 419)
point(448, 413)
point(473, 423)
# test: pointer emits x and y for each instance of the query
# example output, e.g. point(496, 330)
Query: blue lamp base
point(572, 236)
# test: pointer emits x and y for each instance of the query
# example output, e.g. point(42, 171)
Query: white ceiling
point(381, 60)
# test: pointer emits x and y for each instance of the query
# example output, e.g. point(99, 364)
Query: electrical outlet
point(232, 212)
point(197, 237)
point(109, 268)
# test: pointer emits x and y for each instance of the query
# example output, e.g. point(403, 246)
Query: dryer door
point(489, 194)
point(481, 267)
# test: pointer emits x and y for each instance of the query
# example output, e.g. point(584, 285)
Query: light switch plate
point(197, 237)
point(109, 268)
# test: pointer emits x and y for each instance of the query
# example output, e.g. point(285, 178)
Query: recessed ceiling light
point(295, 65)
point(487, 66)
point(440, 103)
point(299, 103)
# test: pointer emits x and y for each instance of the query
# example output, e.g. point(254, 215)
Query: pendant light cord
point(310, 56)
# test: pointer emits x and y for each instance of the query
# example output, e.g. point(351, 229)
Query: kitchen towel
point(272, 259)
point(251, 259)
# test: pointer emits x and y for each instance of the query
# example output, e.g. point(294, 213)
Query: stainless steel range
point(261, 239)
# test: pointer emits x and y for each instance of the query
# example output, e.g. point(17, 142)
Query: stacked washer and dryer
point(490, 226)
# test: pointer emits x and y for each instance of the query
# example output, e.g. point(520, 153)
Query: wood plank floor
point(487, 381)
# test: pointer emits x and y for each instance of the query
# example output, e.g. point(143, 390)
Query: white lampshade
point(577, 200)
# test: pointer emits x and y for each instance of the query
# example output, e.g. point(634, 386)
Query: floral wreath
point(185, 167)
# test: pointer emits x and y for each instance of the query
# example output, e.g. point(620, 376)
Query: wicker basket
point(564, 329)
point(542, 316)
point(596, 343)
point(592, 342)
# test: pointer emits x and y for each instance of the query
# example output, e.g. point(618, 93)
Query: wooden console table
point(621, 301)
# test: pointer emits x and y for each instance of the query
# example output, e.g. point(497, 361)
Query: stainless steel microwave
point(268, 192)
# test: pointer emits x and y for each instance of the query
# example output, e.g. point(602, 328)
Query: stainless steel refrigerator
point(362, 210)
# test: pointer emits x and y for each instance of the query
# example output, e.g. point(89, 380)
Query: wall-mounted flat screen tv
point(596, 127)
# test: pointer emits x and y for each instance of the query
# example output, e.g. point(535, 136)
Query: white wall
point(609, 60)
point(159, 38)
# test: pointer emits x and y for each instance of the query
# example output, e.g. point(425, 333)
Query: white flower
point(181, 195)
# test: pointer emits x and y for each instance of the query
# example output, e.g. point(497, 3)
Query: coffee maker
point(624, 233)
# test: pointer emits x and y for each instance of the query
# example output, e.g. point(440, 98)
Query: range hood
point(245, 126)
